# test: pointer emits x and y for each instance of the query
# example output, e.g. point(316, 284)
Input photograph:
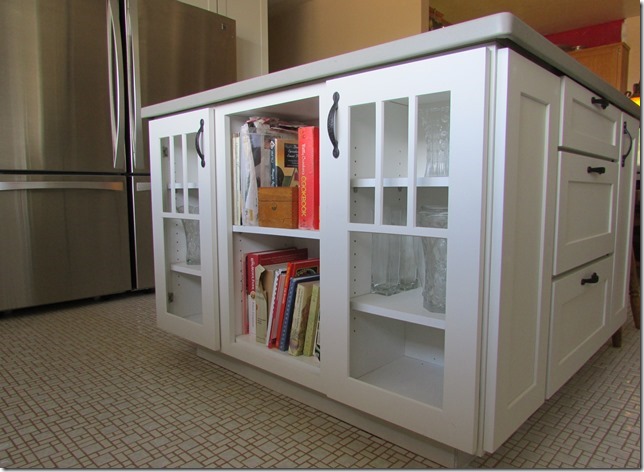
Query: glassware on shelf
point(385, 264)
point(191, 229)
point(435, 122)
point(408, 264)
point(435, 254)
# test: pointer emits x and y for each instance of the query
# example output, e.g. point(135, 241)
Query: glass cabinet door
point(402, 220)
point(182, 169)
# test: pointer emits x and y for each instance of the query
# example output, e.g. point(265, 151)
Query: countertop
point(501, 27)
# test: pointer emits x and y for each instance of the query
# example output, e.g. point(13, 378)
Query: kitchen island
point(539, 201)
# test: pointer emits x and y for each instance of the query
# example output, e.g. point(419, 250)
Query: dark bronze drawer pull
point(596, 170)
point(602, 102)
point(593, 279)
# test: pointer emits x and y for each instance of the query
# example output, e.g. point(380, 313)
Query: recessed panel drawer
point(579, 325)
point(585, 210)
point(587, 126)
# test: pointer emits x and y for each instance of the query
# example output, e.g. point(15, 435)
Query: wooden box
point(277, 207)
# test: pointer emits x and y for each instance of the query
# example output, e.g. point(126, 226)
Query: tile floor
point(96, 384)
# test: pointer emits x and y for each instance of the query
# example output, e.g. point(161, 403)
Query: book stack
point(268, 152)
point(283, 303)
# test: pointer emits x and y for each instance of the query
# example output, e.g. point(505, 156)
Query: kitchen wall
point(308, 30)
point(631, 35)
point(251, 17)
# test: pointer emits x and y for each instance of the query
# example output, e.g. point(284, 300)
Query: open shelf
point(292, 233)
point(249, 342)
point(184, 268)
point(405, 306)
point(412, 378)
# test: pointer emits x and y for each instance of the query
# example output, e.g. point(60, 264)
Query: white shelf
point(278, 356)
point(405, 306)
point(181, 216)
point(184, 268)
point(294, 233)
point(409, 377)
point(179, 186)
point(400, 182)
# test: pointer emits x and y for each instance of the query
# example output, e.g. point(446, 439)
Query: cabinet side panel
point(625, 213)
point(521, 244)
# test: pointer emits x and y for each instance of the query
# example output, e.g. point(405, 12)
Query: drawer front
point(585, 210)
point(585, 126)
point(579, 324)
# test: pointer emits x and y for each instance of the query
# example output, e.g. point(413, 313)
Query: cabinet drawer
point(585, 126)
point(585, 210)
point(579, 324)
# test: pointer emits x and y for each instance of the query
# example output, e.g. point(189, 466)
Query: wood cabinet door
point(183, 217)
point(401, 357)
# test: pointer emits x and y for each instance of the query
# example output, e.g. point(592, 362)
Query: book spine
point(288, 312)
point(275, 328)
point(300, 317)
point(309, 337)
point(308, 167)
point(273, 161)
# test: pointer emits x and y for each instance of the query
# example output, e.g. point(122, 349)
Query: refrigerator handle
point(134, 95)
point(115, 70)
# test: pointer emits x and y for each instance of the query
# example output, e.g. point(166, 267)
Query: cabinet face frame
point(197, 283)
point(629, 149)
point(296, 104)
point(464, 78)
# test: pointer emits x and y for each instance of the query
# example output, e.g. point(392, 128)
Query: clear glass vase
point(435, 255)
point(436, 122)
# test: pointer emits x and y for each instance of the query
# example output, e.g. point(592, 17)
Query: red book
point(274, 256)
point(294, 269)
point(309, 174)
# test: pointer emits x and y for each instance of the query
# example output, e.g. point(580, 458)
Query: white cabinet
point(593, 237)
point(389, 355)
point(530, 220)
point(184, 218)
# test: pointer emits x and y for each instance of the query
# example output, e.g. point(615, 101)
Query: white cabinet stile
point(522, 189)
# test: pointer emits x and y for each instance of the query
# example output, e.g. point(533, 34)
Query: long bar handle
point(330, 124)
point(114, 78)
point(62, 185)
point(199, 151)
point(630, 144)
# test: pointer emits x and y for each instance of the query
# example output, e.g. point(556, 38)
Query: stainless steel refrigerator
point(75, 217)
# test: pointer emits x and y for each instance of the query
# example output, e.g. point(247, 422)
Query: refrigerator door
point(55, 87)
point(62, 238)
point(173, 50)
point(142, 246)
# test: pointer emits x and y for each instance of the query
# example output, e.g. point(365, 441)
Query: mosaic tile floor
point(96, 384)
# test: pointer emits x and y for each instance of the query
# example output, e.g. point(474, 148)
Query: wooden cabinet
point(524, 305)
point(609, 61)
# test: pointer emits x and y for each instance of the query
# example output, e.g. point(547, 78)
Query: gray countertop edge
point(501, 26)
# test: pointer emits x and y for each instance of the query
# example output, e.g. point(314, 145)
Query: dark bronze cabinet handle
point(630, 144)
point(593, 279)
point(330, 124)
point(199, 151)
point(596, 170)
point(601, 101)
